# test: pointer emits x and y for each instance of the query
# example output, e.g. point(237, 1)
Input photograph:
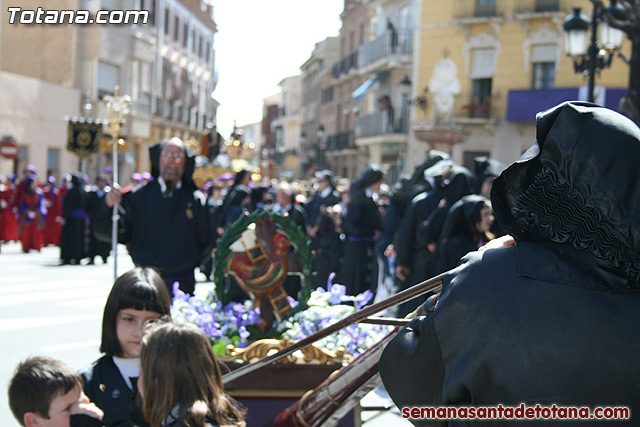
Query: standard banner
point(83, 138)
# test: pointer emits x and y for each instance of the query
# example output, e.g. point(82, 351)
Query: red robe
point(52, 227)
point(8, 218)
point(31, 220)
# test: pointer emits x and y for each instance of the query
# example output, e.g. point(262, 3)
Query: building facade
point(386, 62)
point(342, 153)
point(314, 71)
point(166, 65)
point(287, 128)
point(37, 76)
point(486, 67)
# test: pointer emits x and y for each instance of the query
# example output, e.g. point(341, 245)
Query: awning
point(360, 92)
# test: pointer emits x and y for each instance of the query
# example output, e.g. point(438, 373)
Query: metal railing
point(464, 9)
point(379, 123)
point(536, 6)
point(340, 141)
point(346, 64)
point(473, 107)
point(400, 43)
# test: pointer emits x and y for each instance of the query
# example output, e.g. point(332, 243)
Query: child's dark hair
point(141, 289)
point(36, 382)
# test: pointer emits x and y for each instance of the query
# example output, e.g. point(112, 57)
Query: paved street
point(47, 309)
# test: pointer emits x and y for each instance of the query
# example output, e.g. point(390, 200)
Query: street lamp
point(320, 134)
point(590, 57)
point(405, 85)
point(320, 147)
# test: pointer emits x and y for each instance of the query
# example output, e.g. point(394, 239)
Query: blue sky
point(259, 43)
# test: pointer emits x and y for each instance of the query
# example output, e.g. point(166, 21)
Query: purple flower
point(178, 294)
point(330, 280)
point(244, 334)
point(362, 299)
point(338, 293)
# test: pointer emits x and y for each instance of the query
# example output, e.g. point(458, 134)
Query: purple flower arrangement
point(236, 323)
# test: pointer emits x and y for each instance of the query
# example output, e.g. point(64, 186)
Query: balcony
point(346, 64)
point(340, 141)
point(377, 124)
point(478, 9)
point(141, 106)
point(472, 108)
point(536, 6)
point(383, 47)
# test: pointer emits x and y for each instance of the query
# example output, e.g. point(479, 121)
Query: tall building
point(271, 110)
point(484, 68)
point(381, 102)
point(342, 153)
point(165, 64)
point(37, 77)
point(287, 128)
point(314, 72)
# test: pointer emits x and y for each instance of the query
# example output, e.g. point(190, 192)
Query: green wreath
point(296, 236)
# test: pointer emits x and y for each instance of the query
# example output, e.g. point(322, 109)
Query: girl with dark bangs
point(138, 297)
point(180, 380)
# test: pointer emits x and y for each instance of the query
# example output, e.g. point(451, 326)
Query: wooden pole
point(432, 284)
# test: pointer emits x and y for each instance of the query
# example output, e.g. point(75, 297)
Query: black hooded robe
point(552, 320)
point(358, 271)
point(169, 232)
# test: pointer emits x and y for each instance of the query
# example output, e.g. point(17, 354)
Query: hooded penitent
point(552, 320)
point(578, 185)
point(189, 165)
point(370, 176)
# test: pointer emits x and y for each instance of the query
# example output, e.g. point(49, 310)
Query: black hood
point(189, 165)
point(460, 218)
point(578, 186)
point(370, 176)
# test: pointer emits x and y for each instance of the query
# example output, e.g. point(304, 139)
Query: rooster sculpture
point(262, 274)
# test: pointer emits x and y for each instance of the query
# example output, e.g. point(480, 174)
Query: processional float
point(259, 266)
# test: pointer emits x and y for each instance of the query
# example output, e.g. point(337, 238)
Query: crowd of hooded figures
point(366, 234)
point(544, 315)
point(357, 229)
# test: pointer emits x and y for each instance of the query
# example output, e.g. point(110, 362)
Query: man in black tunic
point(164, 221)
point(553, 319)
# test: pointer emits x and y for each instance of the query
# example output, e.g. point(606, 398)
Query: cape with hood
point(358, 271)
point(551, 320)
point(165, 231)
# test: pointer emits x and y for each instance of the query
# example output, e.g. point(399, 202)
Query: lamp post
point(320, 146)
point(405, 85)
point(117, 108)
point(588, 55)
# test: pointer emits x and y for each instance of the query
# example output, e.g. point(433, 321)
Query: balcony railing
point(465, 9)
point(340, 141)
point(473, 107)
point(141, 106)
point(536, 6)
point(346, 64)
point(384, 46)
point(378, 123)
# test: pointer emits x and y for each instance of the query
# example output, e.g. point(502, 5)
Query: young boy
point(45, 392)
